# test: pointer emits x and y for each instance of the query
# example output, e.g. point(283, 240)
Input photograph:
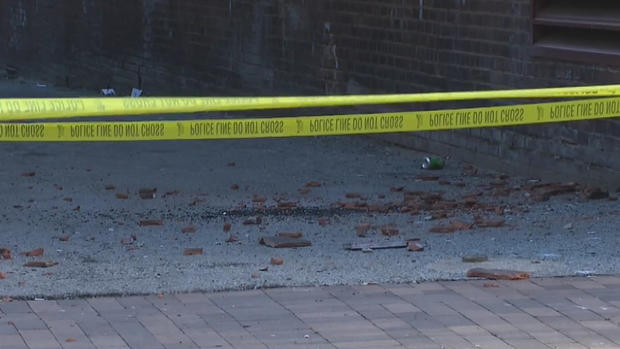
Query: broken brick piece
point(483, 223)
point(64, 238)
point(304, 191)
point(227, 227)
point(70, 340)
point(497, 274)
point(147, 193)
point(324, 221)
point(277, 261)
point(151, 222)
point(253, 221)
point(122, 196)
point(28, 174)
point(396, 189)
point(313, 184)
point(110, 187)
point(192, 252)
point(259, 199)
point(5, 253)
point(234, 187)
point(34, 253)
point(287, 205)
point(189, 229)
point(295, 235)
point(2, 276)
point(232, 238)
point(542, 192)
point(40, 264)
point(284, 242)
point(255, 276)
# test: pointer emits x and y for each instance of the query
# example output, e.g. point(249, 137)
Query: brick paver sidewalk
point(541, 313)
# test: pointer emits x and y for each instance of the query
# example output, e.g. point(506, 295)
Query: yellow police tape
point(312, 125)
point(56, 108)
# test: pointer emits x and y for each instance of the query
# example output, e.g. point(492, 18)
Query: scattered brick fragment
point(253, 221)
point(284, 242)
point(277, 261)
point(40, 264)
point(287, 205)
point(147, 193)
point(5, 253)
point(189, 229)
point(484, 223)
point(497, 274)
point(34, 253)
point(192, 252)
point(151, 222)
point(295, 235)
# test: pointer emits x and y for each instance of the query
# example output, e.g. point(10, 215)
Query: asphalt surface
point(70, 192)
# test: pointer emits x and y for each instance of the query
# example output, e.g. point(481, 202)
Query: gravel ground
point(566, 235)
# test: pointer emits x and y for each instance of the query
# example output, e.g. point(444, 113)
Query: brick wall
point(321, 46)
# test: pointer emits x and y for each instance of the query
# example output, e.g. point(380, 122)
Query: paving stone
point(538, 313)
